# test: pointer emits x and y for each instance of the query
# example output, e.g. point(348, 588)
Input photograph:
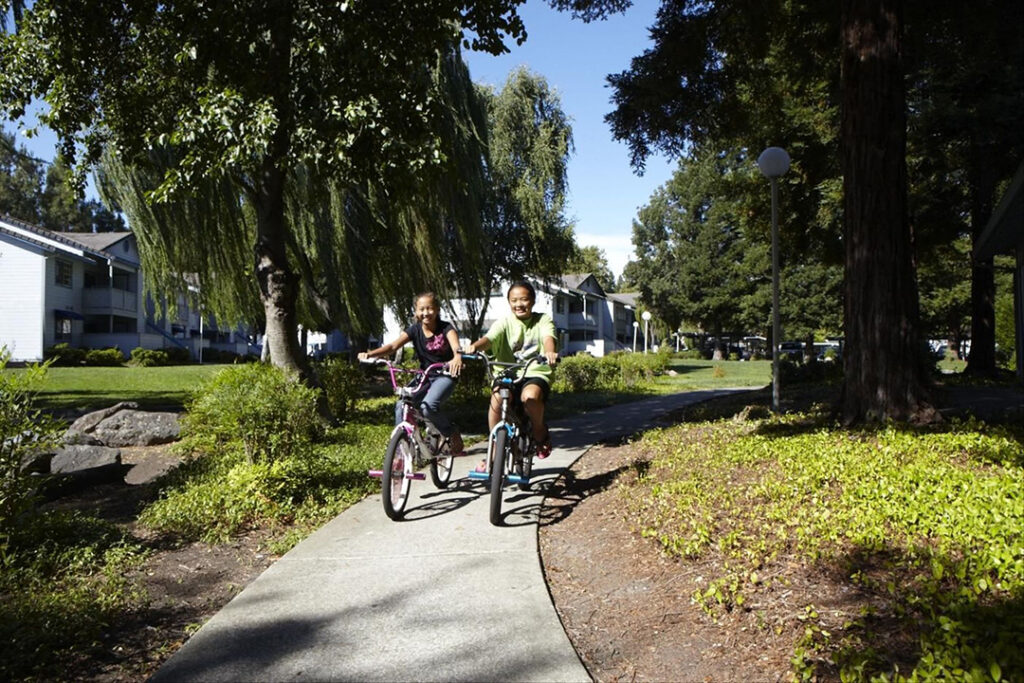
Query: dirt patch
point(184, 584)
point(627, 608)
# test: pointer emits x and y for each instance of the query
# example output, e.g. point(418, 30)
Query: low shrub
point(104, 357)
point(614, 372)
point(64, 355)
point(472, 381)
point(341, 382)
point(255, 408)
point(24, 432)
point(147, 358)
point(692, 354)
point(178, 355)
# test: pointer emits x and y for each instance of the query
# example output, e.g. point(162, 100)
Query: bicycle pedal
point(516, 479)
point(418, 476)
point(473, 474)
point(376, 473)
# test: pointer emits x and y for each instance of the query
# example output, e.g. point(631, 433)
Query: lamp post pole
point(635, 326)
point(773, 162)
point(646, 315)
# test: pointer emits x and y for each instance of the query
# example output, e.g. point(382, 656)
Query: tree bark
point(883, 364)
point(982, 358)
point(278, 283)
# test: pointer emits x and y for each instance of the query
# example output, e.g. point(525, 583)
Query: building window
point(559, 304)
point(62, 329)
point(576, 306)
point(581, 335)
point(63, 277)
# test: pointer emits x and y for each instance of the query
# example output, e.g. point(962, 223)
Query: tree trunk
point(982, 358)
point(882, 360)
point(279, 285)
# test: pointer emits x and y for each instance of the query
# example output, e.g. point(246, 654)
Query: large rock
point(76, 468)
point(122, 425)
point(75, 458)
point(88, 422)
point(138, 428)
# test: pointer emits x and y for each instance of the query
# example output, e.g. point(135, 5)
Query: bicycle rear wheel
point(394, 484)
point(499, 452)
point(442, 463)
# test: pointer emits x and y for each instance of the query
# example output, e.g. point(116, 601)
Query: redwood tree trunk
point(982, 358)
point(882, 360)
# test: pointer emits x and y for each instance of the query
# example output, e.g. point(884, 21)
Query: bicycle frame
point(413, 442)
point(513, 420)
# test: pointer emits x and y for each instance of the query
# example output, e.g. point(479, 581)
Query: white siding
point(65, 298)
point(22, 274)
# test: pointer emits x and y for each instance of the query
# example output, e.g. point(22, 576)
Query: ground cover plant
point(61, 575)
point(912, 537)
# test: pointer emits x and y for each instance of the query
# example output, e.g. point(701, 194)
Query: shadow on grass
point(83, 401)
point(908, 621)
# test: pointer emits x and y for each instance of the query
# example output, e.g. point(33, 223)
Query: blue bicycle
point(511, 445)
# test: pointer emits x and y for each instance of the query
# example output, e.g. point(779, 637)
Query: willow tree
point(247, 93)
point(529, 139)
point(355, 247)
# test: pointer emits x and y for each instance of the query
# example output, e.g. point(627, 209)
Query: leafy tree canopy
point(44, 197)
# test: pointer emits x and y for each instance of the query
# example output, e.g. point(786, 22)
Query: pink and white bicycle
point(414, 442)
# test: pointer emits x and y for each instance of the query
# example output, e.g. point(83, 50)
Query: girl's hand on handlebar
point(363, 356)
point(455, 365)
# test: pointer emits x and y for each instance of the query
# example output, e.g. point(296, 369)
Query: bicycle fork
point(410, 462)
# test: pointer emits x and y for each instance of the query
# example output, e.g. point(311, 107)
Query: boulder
point(75, 458)
point(88, 422)
point(137, 428)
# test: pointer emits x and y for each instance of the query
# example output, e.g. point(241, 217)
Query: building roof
point(84, 244)
point(625, 298)
point(101, 241)
point(1005, 229)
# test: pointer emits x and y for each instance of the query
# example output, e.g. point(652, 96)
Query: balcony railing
point(105, 300)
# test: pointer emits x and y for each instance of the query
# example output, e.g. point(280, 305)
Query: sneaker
point(544, 450)
point(482, 467)
point(455, 445)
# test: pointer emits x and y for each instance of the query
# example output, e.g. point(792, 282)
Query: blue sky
point(575, 58)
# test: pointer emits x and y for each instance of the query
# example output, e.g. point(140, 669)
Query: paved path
point(441, 596)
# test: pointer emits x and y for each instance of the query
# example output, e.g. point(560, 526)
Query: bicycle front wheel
point(524, 463)
point(394, 484)
point(441, 464)
point(499, 453)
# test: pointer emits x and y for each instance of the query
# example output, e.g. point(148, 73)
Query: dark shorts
point(545, 388)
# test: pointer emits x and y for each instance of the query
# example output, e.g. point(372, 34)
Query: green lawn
point(88, 388)
point(91, 388)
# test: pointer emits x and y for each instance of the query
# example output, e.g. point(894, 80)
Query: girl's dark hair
point(432, 295)
point(525, 285)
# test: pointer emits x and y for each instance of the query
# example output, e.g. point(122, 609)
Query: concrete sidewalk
point(441, 596)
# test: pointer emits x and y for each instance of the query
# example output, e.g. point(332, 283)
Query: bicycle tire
point(524, 465)
point(394, 485)
point(499, 451)
point(441, 465)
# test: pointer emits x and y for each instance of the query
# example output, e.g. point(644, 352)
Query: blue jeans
point(441, 387)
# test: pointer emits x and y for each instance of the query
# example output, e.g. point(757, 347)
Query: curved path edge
point(441, 596)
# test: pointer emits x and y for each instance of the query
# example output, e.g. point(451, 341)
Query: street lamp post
point(635, 326)
point(773, 163)
point(646, 315)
